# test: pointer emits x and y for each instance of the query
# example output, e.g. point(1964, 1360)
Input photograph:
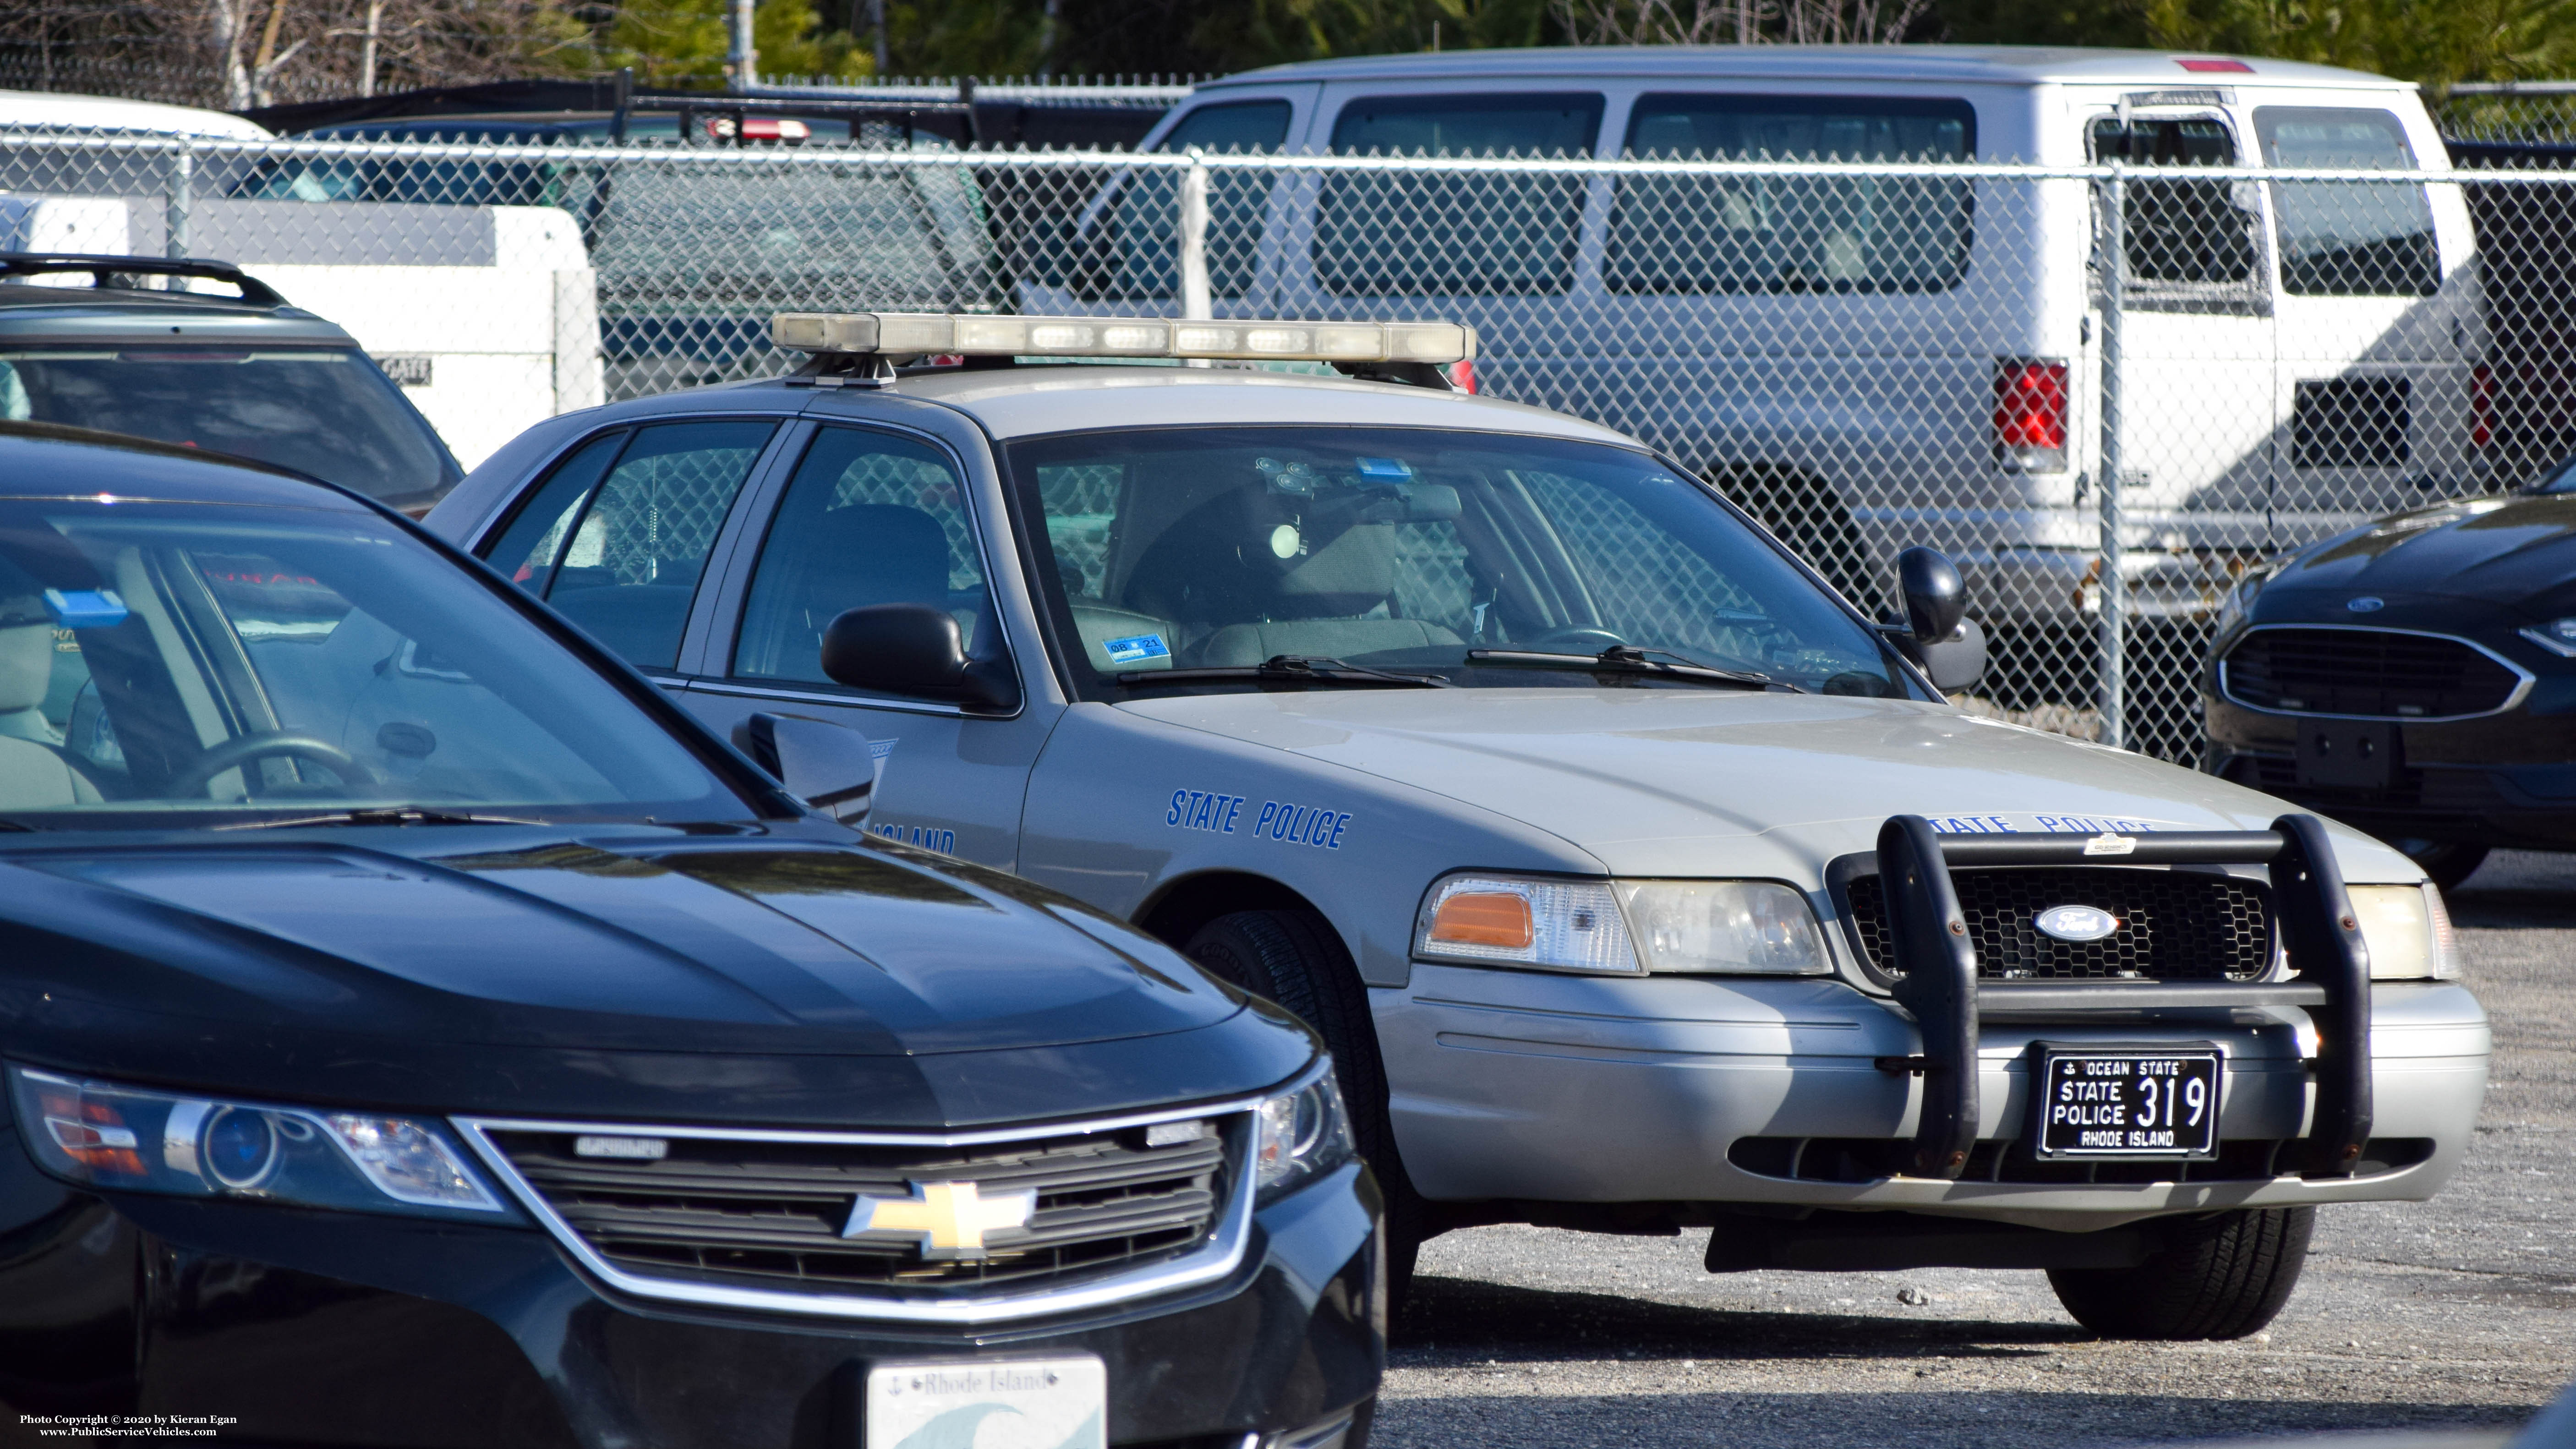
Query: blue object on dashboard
point(85, 608)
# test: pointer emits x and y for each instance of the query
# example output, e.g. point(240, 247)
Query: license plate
point(2128, 1102)
point(1020, 1403)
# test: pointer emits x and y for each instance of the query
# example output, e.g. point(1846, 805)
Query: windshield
point(1415, 550)
point(170, 665)
point(319, 410)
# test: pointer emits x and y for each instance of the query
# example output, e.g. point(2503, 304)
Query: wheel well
point(1175, 915)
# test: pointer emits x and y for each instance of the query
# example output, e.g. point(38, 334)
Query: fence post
point(1195, 302)
point(174, 202)
point(2115, 266)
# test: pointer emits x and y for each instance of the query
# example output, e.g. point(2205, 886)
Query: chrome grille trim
point(1212, 1261)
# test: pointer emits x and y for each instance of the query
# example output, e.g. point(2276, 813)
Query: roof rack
point(1420, 353)
point(102, 266)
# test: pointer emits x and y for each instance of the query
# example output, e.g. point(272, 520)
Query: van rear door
point(2373, 384)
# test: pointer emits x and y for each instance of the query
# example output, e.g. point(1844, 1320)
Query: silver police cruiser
point(1638, 882)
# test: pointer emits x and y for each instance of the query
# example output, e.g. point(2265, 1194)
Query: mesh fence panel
point(2261, 338)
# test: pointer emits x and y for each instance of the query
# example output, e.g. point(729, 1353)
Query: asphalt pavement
point(2453, 1315)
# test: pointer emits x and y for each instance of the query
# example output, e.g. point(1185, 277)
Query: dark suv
point(246, 374)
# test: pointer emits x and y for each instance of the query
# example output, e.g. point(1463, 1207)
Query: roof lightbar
point(898, 334)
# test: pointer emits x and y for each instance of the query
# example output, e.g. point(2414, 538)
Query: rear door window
point(1147, 212)
point(1418, 235)
point(2345, 238)
point(1691, 234)
point(2185, 242)
point(617, 538)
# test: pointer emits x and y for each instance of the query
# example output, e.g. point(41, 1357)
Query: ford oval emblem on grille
point(2366, 604)
point(2076, 923)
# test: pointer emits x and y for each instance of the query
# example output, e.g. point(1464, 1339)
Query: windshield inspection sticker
point(1282, 821)
point(1136, 648)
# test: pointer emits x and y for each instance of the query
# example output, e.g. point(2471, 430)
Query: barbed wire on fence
point(2112, 391)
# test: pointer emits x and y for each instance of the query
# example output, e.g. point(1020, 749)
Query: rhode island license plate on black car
point(2127, 1102)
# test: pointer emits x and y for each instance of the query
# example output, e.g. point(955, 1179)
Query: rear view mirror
point(828, 766)
point(1958, 662)
point(916, 651)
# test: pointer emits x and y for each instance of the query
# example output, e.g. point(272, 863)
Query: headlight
point(2408, 932)
point(100, 1134)
point(1623, 928)
point(1303, 1134)
point(1725, 926)
point(2558, 636)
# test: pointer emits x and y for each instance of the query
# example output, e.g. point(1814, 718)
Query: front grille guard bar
point(1940, 987)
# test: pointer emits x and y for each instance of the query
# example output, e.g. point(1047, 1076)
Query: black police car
point(2415, 677)
point(248, 374)
point(416, 1030)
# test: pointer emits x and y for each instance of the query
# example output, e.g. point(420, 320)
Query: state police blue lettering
point(1295, 824)
point(1203, 810)
point(1283, 821)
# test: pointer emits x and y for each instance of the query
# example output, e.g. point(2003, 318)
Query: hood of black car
point(2516, 552)
point(689, 946)
point(621, 975)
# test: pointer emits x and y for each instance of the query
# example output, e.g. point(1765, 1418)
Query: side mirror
point(915, 651)
point(828, 766)
point(1938, 635)
point(1936, 598)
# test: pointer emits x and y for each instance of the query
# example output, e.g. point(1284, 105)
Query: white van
point(1874, 361)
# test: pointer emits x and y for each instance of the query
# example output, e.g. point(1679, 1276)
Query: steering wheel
point(1576, 639)
point(266, 744)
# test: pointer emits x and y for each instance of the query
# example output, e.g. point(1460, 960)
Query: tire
point(2449, 862)
point(2221, 1276)
point(1296, 959)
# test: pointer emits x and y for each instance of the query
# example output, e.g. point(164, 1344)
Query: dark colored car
point(249, 374)
point(417, 1030)
point(2415, 678)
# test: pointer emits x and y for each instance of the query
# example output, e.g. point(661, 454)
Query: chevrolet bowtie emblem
point(949, 1218)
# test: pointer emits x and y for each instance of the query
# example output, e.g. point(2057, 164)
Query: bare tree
point(236, 54)
point(1741, 22)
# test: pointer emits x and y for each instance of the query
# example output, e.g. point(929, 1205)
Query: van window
point(1688, 234)
point(2189, 245)
point(1398, 235)
point(2348, 239)
point(1146, 215)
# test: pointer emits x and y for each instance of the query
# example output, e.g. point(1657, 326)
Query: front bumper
point(2505, 779)
point(351, 1328)
point(1529, 1088)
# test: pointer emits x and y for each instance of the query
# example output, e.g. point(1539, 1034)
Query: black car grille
point(2373, 672)
point(2174, 925)
point(769, 1214)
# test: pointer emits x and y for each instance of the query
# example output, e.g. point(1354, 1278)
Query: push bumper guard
point(1940, 984)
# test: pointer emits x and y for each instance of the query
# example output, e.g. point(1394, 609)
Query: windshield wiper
point(383, 815)
point(1629, 659)
point(1285, 669)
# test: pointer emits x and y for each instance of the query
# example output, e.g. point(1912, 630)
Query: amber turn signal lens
point(1483, 919)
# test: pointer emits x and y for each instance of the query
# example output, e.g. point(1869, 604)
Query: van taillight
point(2030, 414)
point(2481, 406)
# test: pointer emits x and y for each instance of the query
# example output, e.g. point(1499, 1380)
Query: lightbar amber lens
point(1483, 920)
point(976, 335)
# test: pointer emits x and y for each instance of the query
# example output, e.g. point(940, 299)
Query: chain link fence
point(2209, 361)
